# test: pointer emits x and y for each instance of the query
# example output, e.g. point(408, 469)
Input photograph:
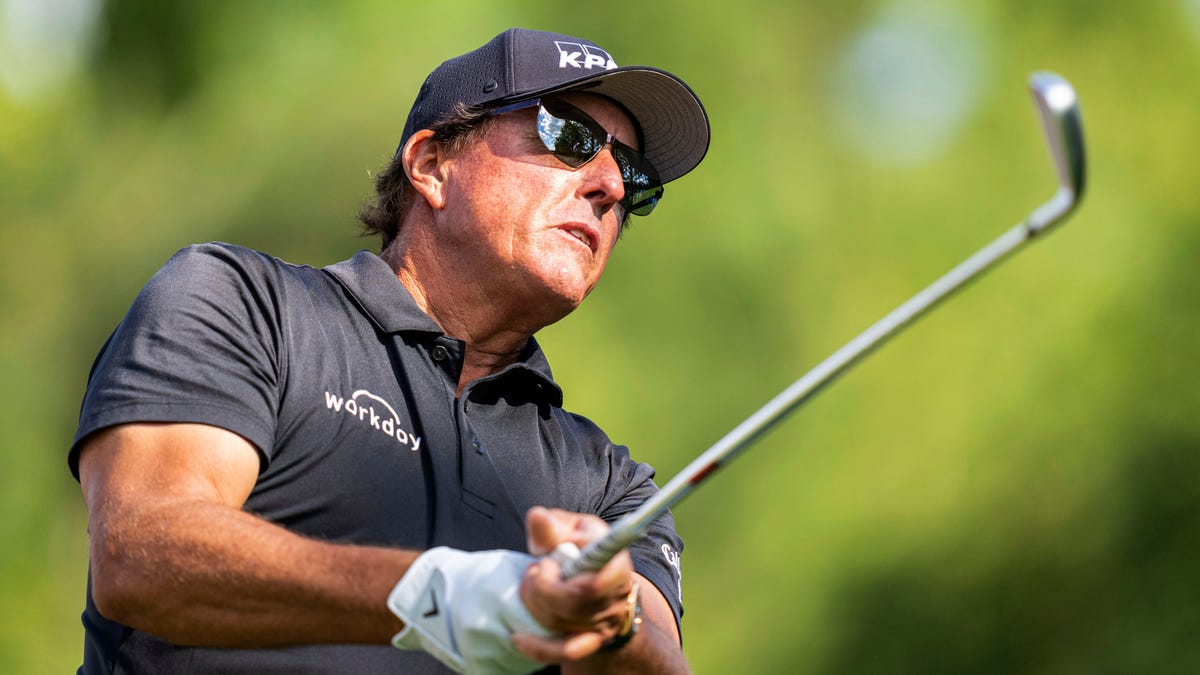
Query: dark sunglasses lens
point(641, 203)
point(574, 138)
point(642, 187)
point(570, 140)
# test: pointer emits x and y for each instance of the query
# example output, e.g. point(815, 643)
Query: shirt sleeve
point(200, 344)
point(656, 555)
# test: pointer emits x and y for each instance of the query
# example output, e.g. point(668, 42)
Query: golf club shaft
point(632, 525)
point(1056, 103)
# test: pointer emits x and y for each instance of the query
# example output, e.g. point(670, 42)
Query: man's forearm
point(199, 573)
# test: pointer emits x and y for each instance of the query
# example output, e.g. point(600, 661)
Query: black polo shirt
point(347, 389)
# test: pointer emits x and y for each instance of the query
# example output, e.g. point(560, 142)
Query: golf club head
point(1059, 109)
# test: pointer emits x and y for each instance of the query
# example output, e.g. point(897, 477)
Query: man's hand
point(507, 612)
point(474, 611)
point(589, 609)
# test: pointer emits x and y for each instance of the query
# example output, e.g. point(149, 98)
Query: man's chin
point(558, 302)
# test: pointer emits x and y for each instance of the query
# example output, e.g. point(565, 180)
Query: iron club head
point(1059, 109)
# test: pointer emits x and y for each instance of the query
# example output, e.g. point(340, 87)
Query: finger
point(586, 529)
point(544, 530)
point(555, 604)
point(573, 606)
point(558, 650)
point(547, 528)
point(581, 530)
point(614, 579)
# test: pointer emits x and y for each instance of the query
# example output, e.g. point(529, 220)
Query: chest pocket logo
point(361, 405)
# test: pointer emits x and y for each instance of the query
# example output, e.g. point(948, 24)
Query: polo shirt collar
point(533, 361)
point(389, 305)
point(381, 295)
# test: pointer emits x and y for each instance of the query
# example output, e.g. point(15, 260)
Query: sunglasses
point(575, 139)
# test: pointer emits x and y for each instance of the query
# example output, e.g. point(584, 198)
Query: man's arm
point(173, 554)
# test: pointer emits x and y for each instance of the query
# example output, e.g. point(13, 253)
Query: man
point(286, 469)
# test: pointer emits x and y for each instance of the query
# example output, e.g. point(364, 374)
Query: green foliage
point(1008, 487)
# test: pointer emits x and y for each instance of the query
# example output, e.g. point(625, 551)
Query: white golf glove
point(463, 608)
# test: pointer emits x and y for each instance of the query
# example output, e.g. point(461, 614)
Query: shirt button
point(440, 353)
point(477, 445)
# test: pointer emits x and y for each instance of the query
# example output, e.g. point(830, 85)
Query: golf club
point(1056, 103)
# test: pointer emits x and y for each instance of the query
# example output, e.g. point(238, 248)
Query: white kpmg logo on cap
point(576, 55)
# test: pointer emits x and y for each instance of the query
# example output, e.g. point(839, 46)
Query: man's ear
point(423, 159)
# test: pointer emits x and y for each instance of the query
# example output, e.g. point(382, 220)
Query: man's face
point(528, 228)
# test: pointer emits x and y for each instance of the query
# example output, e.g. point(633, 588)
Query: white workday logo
point(586, 57)
point(361, 406)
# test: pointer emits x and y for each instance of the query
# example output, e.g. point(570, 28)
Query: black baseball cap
point(521, 64)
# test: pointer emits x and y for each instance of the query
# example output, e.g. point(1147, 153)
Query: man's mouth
point(583, 234)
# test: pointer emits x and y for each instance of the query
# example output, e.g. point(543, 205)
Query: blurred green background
point(1012, 486)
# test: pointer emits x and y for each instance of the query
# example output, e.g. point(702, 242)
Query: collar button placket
point(447, 355)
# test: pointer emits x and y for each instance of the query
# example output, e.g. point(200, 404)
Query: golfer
point(363, 468)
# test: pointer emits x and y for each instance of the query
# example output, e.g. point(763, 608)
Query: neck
point(465, 308)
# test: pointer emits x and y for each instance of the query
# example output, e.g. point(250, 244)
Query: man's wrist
point(632, 623)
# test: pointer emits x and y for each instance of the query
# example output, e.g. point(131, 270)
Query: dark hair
point(393, 192)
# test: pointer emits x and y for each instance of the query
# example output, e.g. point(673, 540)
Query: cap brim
point(674, 125)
